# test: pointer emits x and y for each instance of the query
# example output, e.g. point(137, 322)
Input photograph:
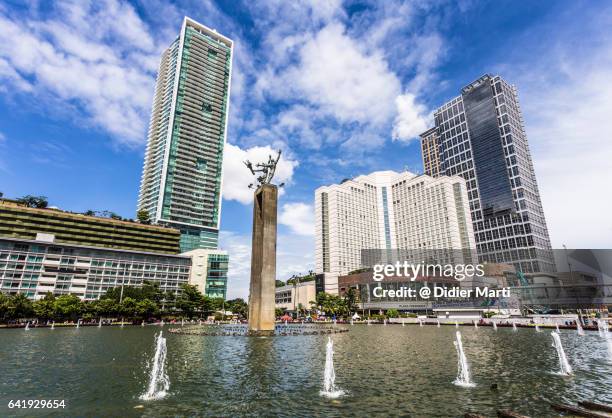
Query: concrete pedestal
point(263, 262)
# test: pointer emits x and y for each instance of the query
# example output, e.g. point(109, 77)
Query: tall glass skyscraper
point(480, 137)
point(181, 179)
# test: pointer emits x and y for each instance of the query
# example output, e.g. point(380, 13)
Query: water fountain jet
point(579, 329)
point(463, 368)
point(159, 383)
point(329, 375)
point(564, 366)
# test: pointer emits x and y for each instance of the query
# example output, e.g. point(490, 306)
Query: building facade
point(22, 222)
point(374, 297)
point(482, 139)
point(389, 211)
point(209, 271)
point(296, 297)
point(182, 174)
point(430, 144)
point(35, 267)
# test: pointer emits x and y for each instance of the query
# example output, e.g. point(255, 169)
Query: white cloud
point(299, 217)
point(326, 69)
point(239, 250)
point(572, 157)
point(566, 99)
point(236, 177)
point(411, 119)
point(342, 80)
point(103, 70)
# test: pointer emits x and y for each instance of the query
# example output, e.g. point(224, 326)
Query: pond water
point(382, 371)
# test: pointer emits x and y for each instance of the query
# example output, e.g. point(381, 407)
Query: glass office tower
point(481, 138)
point(182, 175)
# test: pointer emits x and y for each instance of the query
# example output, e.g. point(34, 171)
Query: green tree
point(190, 300)
point(237, 306)
point(351, 300)
point(20, 306)
point(4, 305)
point(30, 201)
point(68, 306)
point(146, 308)
point(143, 217)
point(168, 301)
point(151, 291)
point(45, 308)
point(216, 304)
point(128, 307)
point(330, 304)
point(392, 313)
point(107, 307)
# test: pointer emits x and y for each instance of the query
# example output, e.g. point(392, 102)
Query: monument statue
point(263, 248)
point(267, 170)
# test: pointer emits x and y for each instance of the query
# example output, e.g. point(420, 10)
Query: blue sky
point(342, 87)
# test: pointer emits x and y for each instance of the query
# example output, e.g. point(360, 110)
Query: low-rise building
point(35, 267)
point(49, 250)
point(392, 293)
point(21, 222)
point(209, 271)
point(296, 296)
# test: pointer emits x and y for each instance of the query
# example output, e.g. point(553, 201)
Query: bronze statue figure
point(266, 169)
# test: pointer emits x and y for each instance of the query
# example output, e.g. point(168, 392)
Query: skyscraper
point(430, 144)
point(389, 211)
point(181, 179)
point(482, 139)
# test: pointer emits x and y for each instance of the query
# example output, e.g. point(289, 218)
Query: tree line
point(142, 303)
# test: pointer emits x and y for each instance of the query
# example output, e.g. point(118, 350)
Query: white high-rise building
point(386, 210)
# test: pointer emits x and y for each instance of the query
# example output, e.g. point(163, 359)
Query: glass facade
point(216, 279)
point(487, 149)
point(386, 218)
point(483, 140)
point(35, 268)
point(181, 183)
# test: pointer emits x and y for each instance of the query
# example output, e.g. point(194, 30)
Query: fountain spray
point(565, 368)
point(579, 329)
point(329, 375)
point(159, 383)
point(463, 368)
